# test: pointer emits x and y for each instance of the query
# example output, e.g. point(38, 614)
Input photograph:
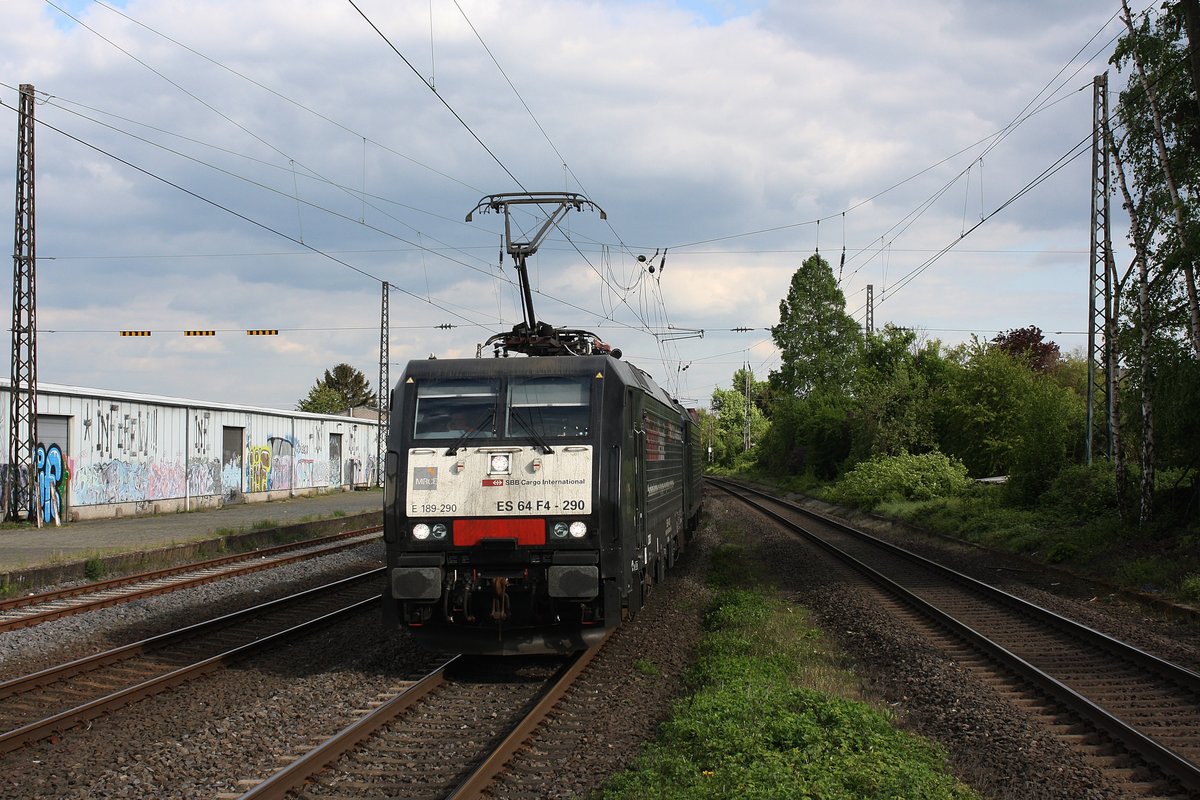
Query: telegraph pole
point(23, 438)
point(1100, 311)
point(385, 388)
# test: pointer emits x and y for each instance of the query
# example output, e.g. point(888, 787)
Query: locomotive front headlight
point(500, 464)
point(439, 531)
point(420, 531)
point(560, 530)
point(578, 529)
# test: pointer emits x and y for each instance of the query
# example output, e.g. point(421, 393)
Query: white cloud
point(687, 122)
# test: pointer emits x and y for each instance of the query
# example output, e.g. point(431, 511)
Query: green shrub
point(1061, 552)
point(1189, 589)
point(93, 569)
point(902, 477)
point(1020, 537)
point(1147, 574)
point(1083, 491)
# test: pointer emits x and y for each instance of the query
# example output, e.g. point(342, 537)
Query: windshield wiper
point(467, 434)
point(537, 439)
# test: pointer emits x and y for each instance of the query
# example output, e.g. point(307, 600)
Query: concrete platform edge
point(22, 581)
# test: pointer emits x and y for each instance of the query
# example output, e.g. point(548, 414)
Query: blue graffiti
point(50, 473)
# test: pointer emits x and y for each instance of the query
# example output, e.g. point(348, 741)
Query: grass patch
point(771, 715)
point(647, 667)
point(264, 524)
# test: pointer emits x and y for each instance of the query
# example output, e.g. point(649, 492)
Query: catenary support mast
point(869, 322)
point(385, 388)
point(1100, 312)
point(22, 440)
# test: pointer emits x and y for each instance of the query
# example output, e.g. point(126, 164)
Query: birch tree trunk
point(1145, 321)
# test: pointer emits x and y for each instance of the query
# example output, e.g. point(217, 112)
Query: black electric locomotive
point(531, 502)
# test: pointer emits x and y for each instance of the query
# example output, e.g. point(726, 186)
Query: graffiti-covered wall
point(107, 453)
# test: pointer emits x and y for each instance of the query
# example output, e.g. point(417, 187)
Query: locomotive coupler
point(500, 603)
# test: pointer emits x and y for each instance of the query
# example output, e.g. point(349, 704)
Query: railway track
point(447, 735)
point(34, 609)
point(45, 704)
point(1134, 715)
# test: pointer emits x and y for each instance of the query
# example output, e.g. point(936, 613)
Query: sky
point(223, 165)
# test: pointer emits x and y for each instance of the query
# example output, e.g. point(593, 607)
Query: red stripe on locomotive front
point(468, 532)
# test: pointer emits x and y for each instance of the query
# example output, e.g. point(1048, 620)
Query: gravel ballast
point(199, 740)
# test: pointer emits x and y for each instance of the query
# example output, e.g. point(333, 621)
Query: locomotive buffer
point(531, 337)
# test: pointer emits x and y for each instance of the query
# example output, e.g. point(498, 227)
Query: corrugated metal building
point(119, 453)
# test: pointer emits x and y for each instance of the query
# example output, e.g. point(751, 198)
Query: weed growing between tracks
point(768, 714)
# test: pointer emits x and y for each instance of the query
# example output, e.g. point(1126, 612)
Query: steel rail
point(490, 767)
point(313, 548)
point(166, 572)
point(64, 720)
point(25, 683)
point(295, 774)
point(1166, 759)
point(1174, 672)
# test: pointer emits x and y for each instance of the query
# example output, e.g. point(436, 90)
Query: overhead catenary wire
point(281, 96)
point(436, 94)
point(619, 291)
point(417, 246)
point(991, 141)
point(468, 127)
point(291, 161)
point(250, 220)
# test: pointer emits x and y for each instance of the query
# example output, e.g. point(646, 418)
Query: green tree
point(1159, 177)
point(729, 415)
point(980, 420)
point(817, 339)
point(340, 389)
point(1002, 417)
point(899, 383)
point(1160, 118)
point(809, 434)
point(322, 399)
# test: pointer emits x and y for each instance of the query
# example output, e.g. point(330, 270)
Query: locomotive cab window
point(549, 407)
point(450, 409)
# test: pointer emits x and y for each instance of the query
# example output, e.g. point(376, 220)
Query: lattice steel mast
point(385, 387)
point(869, 322)
point(23, 437)
point(1101, 379)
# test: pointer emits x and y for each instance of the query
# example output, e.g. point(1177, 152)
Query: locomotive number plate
point(462, 485)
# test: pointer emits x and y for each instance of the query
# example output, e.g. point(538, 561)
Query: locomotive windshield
point(549, 407)
point(453, 408)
